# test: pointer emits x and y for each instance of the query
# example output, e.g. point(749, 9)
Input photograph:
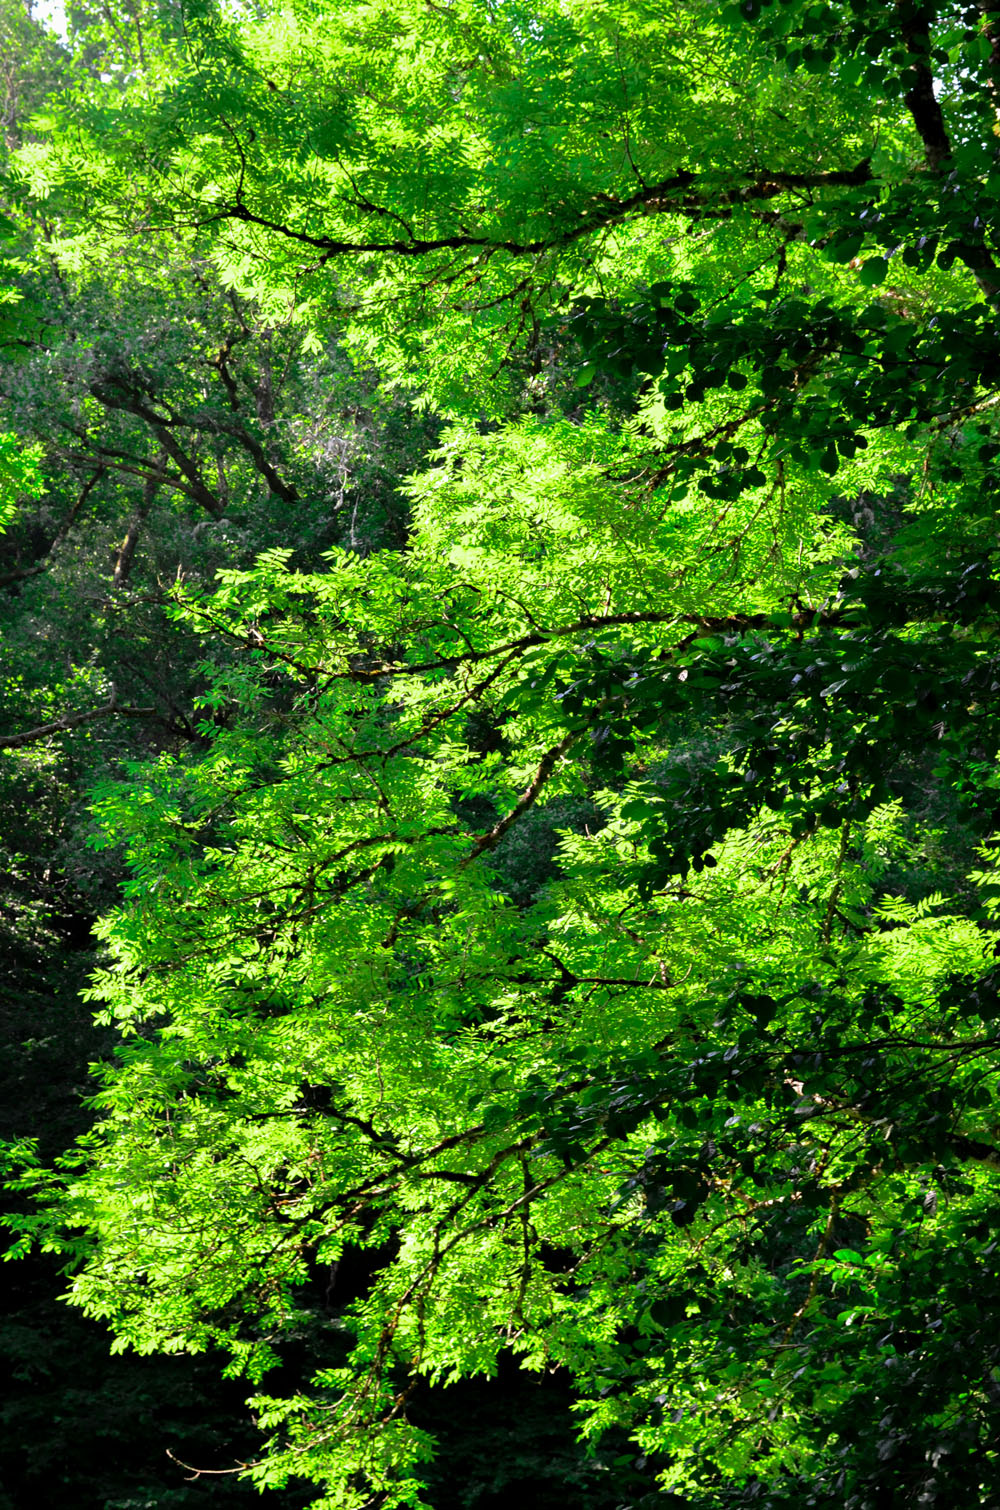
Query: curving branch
point(113, 395)
point(675, 195)
point(72, 721)
point(116, 394)
point(528, 797)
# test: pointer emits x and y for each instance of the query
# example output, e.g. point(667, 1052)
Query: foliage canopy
point(588, 906)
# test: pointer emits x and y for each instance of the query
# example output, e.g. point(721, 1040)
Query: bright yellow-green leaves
point(437, 172)
point(573, 907)
point(18, 475)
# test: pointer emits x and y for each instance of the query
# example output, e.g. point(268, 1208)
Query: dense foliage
point(560, 913)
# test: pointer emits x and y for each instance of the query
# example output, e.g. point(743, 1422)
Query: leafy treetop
point(588, 908)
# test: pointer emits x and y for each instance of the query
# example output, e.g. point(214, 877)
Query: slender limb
point(126, 552)
point(528, 798)
point(677, 194)
point(71, 721)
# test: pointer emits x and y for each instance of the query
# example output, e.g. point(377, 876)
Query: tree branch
point(126, 552)
point(920, 99)
point(528, 797)
point(928, 118)
point(72, 721)
point(652, 199)
point(113, 395)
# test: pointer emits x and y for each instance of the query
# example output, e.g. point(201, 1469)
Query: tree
point(94, 674)
point(586, 910)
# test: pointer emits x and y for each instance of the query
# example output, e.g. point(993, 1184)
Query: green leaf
point(873, 272)
point(847, 248)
